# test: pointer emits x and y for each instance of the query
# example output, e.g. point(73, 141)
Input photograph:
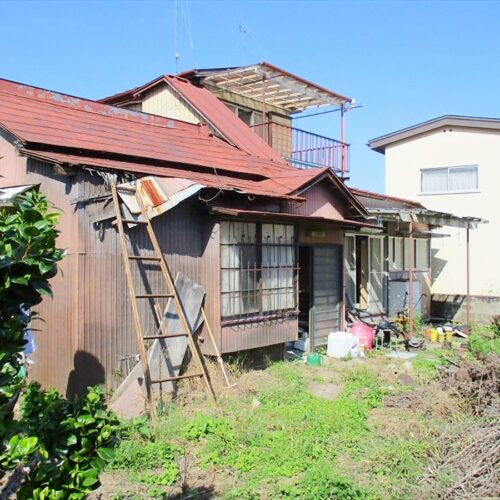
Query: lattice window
point(258, 268)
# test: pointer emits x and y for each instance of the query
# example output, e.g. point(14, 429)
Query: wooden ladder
point(171, 294)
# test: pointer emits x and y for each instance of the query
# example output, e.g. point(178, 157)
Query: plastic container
point(441, 337)
point(433, 335)
point(313, 359)
point(340, 344)
point(364, 333)
point(449, 336)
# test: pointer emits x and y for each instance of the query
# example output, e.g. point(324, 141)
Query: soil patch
point(325, 391)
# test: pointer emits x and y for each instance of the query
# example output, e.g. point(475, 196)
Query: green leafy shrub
point(28, 259)
point(57, 447)
point(65, 444)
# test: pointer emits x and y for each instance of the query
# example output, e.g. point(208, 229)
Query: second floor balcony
point(304, 149)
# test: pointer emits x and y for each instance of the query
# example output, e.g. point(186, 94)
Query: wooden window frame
point(261, 314)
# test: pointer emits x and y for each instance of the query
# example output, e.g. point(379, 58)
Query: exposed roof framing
point(265, 81)
point(426, 216)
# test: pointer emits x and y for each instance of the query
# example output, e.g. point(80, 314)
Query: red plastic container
point(364, 333)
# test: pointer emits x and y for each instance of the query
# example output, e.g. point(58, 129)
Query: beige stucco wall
point(447, 147)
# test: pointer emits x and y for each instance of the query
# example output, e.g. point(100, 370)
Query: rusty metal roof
point(298, 181)
point(269, 188)
point(378, 200)
point(282, 88)
point(39, 117)
point(211, 110)
point(67, 130)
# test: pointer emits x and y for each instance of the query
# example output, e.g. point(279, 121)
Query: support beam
point(468, 274)
point(410, 280)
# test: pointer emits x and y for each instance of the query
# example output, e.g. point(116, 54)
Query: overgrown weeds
point(272, 438)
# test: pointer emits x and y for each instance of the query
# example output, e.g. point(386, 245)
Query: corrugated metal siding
point(189, 240)
point(55, 330)
point(261, 334)
point(57, 341)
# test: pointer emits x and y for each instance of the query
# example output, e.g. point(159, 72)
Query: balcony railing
point(305, 150)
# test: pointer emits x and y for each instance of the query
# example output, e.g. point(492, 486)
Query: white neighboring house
point(452, 164)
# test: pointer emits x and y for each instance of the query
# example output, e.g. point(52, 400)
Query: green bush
point(57, 447)
point(65, 444)
point(28, 259)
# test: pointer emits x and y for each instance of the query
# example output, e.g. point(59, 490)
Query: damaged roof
point(67, 130)
point(38, 117)
point(378, 200)
point(212, 110)
point(282, 88)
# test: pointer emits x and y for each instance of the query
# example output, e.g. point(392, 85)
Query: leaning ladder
point(171, 294)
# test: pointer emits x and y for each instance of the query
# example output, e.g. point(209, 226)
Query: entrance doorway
point(320, 291)
point(365, 272)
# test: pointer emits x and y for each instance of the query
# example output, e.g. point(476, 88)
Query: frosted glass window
point(422, 254)
point(395, 253)
point(450, 180)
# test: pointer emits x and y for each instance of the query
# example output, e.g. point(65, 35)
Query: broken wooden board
point(165, 356)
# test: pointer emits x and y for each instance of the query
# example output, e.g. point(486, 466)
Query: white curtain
point(462, 178)
point(435, 180)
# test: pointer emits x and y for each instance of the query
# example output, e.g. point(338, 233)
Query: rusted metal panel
point(259, 334)
point(55, 329)
point(38, 116)
point(189, 240)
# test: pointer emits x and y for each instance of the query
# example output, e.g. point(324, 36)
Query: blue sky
point(404, 62)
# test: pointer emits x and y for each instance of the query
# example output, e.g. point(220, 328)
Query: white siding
point(450, 148)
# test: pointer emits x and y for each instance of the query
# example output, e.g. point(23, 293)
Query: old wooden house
point(264, 239)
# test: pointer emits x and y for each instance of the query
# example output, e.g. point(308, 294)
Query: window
point(258, 270)
point(399, 258)
point(249, 116)
point(422, 254)
point(450, 179)
point(395, 253)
